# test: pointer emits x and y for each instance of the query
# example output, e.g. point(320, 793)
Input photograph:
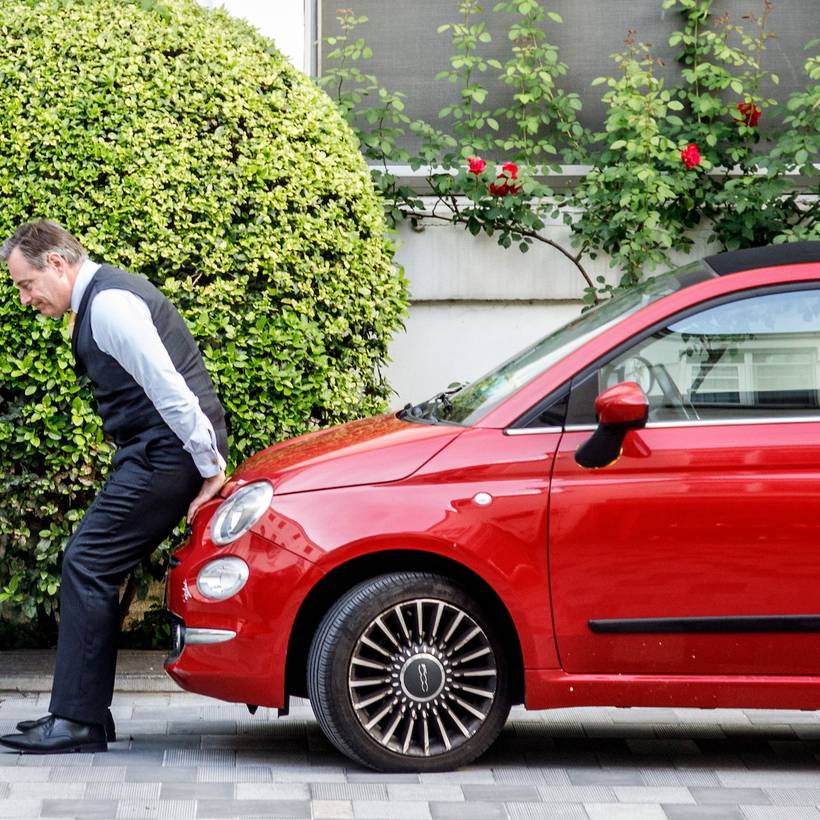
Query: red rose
point(749, 112)
point(504, 187)
point(511, 168)
point(475, 165)
point(690, 155)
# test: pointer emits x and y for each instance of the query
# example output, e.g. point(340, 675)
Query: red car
point(627, 513)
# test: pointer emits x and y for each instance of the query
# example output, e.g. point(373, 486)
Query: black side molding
point(728, 623)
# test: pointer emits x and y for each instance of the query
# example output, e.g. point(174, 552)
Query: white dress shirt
point(121, 326)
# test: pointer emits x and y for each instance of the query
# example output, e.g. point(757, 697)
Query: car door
point(698, 550)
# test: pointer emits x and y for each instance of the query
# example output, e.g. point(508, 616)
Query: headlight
point(240, 512)
point(222, 578)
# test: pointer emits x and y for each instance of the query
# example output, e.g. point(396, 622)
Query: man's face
point(48, 290)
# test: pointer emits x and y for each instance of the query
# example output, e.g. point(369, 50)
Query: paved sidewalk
point(184, 756)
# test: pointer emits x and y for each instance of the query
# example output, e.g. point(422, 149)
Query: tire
point(407, 673)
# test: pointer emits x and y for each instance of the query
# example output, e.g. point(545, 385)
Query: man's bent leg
point(135, 511)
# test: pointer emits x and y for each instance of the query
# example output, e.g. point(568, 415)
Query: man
point(159, 406)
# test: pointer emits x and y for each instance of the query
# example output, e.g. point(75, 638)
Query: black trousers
point(153, 482)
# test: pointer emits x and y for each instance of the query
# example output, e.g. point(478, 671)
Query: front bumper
point(235, 649)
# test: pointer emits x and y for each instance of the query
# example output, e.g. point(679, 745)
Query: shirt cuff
point(209, 464)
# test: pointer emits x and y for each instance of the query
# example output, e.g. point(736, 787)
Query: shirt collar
point(84, 275)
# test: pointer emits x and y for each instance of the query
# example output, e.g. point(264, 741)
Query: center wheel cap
point(422, 677)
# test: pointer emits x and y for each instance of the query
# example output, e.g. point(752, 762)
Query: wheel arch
point(345, 576)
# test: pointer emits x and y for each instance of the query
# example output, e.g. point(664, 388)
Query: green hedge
point(178, 143)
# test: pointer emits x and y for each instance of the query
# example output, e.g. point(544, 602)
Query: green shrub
point(178, 143)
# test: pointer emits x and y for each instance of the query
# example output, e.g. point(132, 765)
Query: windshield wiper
point(428, 411)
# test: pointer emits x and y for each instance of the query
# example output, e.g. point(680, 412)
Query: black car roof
point(769, 256)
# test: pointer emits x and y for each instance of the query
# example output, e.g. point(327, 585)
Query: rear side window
point(756, 357)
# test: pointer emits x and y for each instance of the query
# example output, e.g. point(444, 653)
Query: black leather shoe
point(56, 735)
point(110, 729)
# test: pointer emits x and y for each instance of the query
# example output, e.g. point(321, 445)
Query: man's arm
point(122, 327)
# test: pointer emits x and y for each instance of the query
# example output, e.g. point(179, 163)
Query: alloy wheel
point(422, 677)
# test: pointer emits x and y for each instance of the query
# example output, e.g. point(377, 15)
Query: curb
point(30, 671)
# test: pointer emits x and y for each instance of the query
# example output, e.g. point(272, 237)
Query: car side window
point(756, 357)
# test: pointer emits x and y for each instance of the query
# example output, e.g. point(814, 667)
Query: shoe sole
point(85, 747)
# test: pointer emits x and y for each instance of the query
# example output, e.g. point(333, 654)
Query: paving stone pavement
point(183, 756)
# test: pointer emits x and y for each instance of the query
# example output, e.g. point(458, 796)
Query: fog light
point(222, 578)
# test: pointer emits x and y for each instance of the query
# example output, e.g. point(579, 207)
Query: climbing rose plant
point(657, 165)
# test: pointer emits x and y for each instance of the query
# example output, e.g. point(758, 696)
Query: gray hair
point(36, 240)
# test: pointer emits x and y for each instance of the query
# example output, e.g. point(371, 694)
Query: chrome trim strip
point(530, 431)
point(660, 425)
point(733, 422)
point(199, 636)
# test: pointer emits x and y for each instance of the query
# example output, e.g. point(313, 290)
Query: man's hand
point(210, 487)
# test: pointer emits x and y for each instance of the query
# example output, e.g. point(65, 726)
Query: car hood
point(370, 451)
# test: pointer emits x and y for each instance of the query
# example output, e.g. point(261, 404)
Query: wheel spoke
point(387, 632)
point(464, 730)
point(357, 684)
point(482, 693)
point(476, 673)
point(453, 626)
point(439, 611)
point(467, 638)
point(372, 699)
point(377, 718)
point(367, 642)
point(477, 654)
point(444, 736)
point(426, 737)
point(471, 709)
point(369, 664)
point(389, 733)
point(397, 610)
point(409, 736)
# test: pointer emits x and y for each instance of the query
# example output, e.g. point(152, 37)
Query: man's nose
point(25, 298)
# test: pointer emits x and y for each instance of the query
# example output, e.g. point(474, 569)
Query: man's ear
point(57, 261)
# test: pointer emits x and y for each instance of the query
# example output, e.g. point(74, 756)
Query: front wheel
point(407, 673)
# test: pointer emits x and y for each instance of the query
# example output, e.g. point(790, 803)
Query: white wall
point(281, 20)
point(445, 342)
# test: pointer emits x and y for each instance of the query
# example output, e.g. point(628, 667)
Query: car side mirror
point(619, 409)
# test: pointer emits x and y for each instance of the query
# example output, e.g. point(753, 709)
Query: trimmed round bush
point(178, 143)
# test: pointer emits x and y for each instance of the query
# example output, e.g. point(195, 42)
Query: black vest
point(124, 406)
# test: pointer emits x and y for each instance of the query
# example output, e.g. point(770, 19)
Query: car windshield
point(465, 405)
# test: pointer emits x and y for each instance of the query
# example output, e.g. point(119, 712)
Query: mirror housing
point(621, 408)
point(623, 404)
